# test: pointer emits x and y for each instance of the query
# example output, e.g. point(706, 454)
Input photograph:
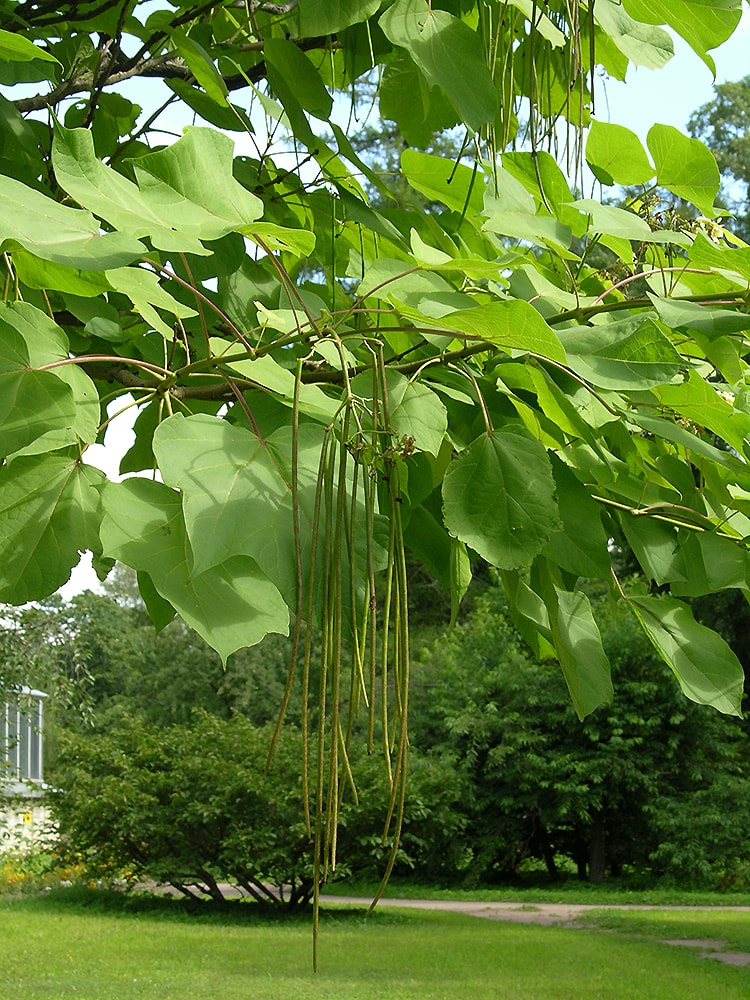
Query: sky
point(668, 96)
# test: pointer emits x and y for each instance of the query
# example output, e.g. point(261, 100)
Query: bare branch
point(166, 66)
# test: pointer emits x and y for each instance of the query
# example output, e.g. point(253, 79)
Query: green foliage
point(191, 806)
point(723, 125)
point(643, 785)
point(199, 805)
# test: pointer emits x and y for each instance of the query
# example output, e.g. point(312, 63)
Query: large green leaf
point(578, 644)
point(474, 266)
point(388, 279)
point(529, 614)
point(456, 186)
point(448, 52)
point(191, 182)
point(706, 668)
point(202, 66)
point(430, 544)
point(512, 325)
point(704, 24)
point(55, 232)
point(31, 402)
point(326, 17)
point(543, 179)
point(299, 242)
point(532, 228)
point(616, 155)
point(237, 491)
point(499, 497)
point(655, 545)
point(225, 116)
point(112, 196)
point(420, 418)
point(15, 47)
point(231, 605)
point(643, 45)
point(581, 547)
point(309, 89)
point(185, 193)
point(45, 274)
point(712, 563)
point(630, 353)
point(47, 344)
point(669, 430)
point(269, 374)
point(49, 510)
point(693, 316)
point(407, 99)
point(608, 220)
point(698, 401)
point(731, 260)
point(684, 166)
point(142, 287)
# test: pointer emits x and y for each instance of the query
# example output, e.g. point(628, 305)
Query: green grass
point(92, 946)
point(733, 928)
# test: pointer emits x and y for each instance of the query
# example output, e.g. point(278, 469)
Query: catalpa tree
point(328, 388)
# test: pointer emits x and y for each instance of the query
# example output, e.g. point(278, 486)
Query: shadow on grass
point(239, 912)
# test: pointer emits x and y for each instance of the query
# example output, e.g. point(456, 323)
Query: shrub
point(196, 807)
point(190, 806)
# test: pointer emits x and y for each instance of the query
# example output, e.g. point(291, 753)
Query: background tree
point(131, 670)
point(617, 792)
point(724, 125)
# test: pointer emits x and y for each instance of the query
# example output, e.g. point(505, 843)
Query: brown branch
point(40, 14)
point(120, 374)
point(107, 372)
point(166, 66)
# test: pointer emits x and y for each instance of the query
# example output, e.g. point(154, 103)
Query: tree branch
point(166, 66)
point(40, 14)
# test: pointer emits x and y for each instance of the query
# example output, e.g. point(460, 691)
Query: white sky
point(668, 96)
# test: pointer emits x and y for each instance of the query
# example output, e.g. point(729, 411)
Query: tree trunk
point(597, 850)
point(547, 853)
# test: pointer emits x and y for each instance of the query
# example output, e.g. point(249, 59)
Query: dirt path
point(561, 915)
point(522, 913)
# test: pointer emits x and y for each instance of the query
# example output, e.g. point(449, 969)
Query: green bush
point(191, 806)
point(196, 807)
point(431, 844)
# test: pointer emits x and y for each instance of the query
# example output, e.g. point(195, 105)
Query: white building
point(23, 814)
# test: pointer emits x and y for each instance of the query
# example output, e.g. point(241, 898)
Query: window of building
point(21, 740)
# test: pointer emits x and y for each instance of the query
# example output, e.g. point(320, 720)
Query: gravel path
point(522, 913)
point(561, 915)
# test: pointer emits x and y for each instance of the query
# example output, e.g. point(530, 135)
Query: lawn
point(92, 947)
point(731, 927)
